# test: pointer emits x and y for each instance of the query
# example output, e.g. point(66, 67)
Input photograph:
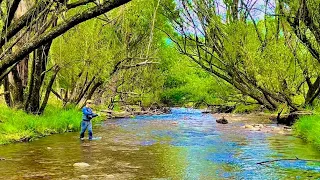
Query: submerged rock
point(253, 127)
point(81, 165)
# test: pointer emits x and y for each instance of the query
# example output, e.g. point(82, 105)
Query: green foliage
point(308, 128)
point(17, 125)
point(174, 97)
point(102, 47)
point(185, 83)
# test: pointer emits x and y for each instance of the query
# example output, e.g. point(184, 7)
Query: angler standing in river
point(86, 123)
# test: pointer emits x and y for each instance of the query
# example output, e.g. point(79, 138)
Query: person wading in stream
point(86, 120)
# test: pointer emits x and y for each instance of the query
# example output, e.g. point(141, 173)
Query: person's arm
point(86, 112)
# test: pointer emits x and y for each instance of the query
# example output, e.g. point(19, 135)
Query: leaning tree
point(27, 30)
point(253, 54)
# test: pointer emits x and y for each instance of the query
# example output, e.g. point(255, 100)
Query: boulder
point(166, 110)
point(222, 121)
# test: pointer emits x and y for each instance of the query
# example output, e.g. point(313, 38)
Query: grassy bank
point(16, 125)
point(308, 128)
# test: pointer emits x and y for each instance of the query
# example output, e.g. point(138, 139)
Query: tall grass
point(16, 125)
point(308, 128)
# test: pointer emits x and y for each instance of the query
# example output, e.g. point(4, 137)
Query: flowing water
point(183, 145)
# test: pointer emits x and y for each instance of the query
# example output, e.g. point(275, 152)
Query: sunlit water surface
point(183, 145)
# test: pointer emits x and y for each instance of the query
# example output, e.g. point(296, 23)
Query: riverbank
point(18, 126)
point(308, 128)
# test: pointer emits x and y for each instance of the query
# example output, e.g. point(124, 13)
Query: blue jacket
point(87, 111)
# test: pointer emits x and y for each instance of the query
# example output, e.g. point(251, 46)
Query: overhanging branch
point(57, 31)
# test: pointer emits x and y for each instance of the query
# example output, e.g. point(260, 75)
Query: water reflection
point(183, 145)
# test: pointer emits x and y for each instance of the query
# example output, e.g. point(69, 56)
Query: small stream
point(183, 145)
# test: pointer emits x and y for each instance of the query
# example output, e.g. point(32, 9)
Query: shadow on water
point(183, 145)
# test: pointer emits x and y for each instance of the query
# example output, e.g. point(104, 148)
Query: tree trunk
point(312, 91)
point(7, 96)
point(23, 71)
point(84, 91)
point(49, 88)
point(234, 10)
point(41, 56)
point(30, 82)
point(17, 89)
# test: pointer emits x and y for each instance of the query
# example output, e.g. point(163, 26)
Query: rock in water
point(248, 126)
point(222, 121)
point(255, 129)
point(2, 159)
point(81, 165)
point(84, 176)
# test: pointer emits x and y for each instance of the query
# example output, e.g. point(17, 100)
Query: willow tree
point(301, 19)
point(30, 33)
point(233, 45)
point(97, 51)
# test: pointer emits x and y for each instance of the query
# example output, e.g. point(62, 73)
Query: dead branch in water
point(287, 159)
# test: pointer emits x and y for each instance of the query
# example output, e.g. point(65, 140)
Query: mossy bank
point(308, 128)
point(16, 125)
